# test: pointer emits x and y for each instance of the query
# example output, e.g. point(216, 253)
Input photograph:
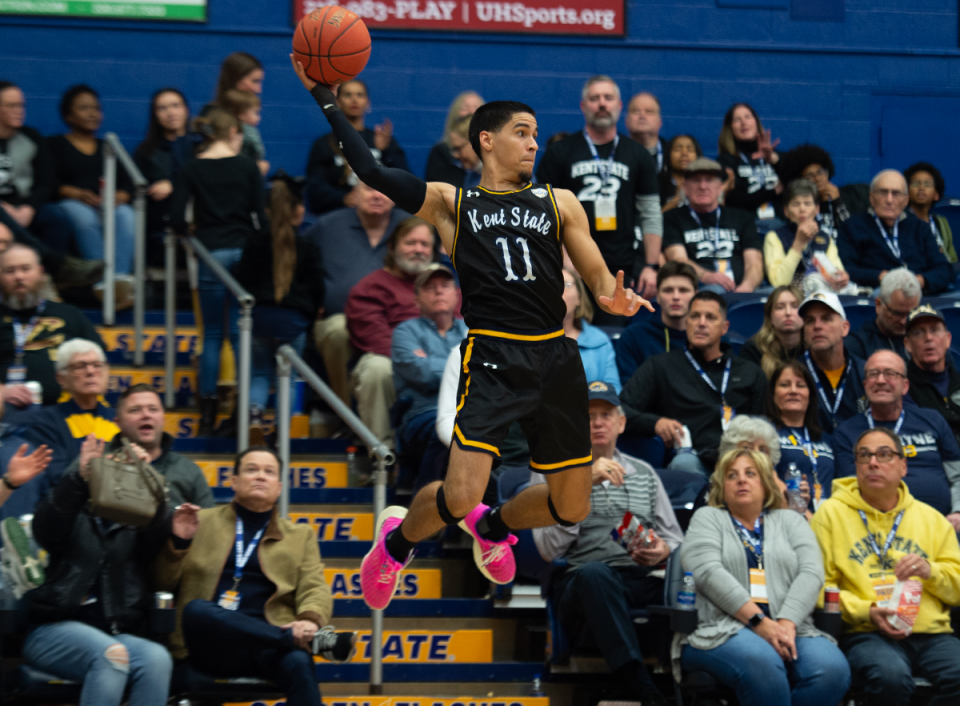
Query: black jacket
point(666, 385)
point(84, 556)
point(926, 395)
point(868, 339)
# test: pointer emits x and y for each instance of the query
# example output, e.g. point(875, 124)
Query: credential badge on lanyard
point(604, 205)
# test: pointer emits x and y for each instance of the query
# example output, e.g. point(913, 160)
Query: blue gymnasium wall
point(820, 81)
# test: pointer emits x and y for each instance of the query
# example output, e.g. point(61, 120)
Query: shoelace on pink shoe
point(495, 553)
point(385, 571)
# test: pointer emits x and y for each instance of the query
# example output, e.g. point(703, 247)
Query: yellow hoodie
point(851, 565)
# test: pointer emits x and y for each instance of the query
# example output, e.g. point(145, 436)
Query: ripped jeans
point(106, 664)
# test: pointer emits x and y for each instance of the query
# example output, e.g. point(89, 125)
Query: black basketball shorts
point(536, 380)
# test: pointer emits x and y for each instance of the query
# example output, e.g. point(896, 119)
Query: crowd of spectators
point(870, 418)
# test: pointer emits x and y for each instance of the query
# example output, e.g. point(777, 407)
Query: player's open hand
point(625, 302)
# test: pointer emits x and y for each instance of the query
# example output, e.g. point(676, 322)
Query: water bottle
point(794, 501)
point(536, 689)
point(353, 473)
point(687, 595)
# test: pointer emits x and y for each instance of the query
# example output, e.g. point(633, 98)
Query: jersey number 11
point(503, 243)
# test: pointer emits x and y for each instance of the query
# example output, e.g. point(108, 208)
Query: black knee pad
point(445, 513)
point(553, 511)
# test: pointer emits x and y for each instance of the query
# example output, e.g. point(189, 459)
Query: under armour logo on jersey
point(490, 365)
point(472, 193)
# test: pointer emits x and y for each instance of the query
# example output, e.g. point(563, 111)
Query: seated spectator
point(682, 150)
point(353, 242)
point(83, 373)
point(701, 386)
point(791, 251)
point(263, 612)
point(933, 474)
point(77, 159)
point(283, 272)
point(750, 432)
point(934, 383)
point(226, 191)
point(792, 407)
point(442, 164)
point(917, 542)
point(460, 147)
point(925, 188)
point(721, 244)
point(604, 581)
point(596, 350)
point(874, 243)
point(330, 180)
point(899, 295)
point(745, 147)
point(419, 353)
point(140, 416)
point(33, 328)
point(643, 122)
point(376, 306)
point(758, 574)
point(781, 336)
point(169, 116)
point(837, 203)
point(245, 107)
point(837, 374)
point(646, 337)
point(88, 619)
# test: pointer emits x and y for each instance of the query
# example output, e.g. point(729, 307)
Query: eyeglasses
point(883, 454)
point(815, 173)
point(896, 314)
point(895, 193)
point(79, 367)
point(921, 184)
point(873, 374)
point(919, 332)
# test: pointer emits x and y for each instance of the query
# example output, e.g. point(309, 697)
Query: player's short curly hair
point(491, 117)
point(792, 163)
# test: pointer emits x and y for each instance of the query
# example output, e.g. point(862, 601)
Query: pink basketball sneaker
point(380, 572)
point(494, 559)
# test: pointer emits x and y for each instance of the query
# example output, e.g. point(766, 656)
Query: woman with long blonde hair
point(781, 336)
point(446, 163)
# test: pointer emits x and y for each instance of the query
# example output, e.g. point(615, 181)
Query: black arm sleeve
point(404, 189)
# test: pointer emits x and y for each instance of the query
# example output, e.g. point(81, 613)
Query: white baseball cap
point(828, 299)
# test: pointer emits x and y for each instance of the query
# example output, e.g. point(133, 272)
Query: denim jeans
point(689, 462)
point(748, 664)
point(88, 229)
point(885, 668)
point(264, 367)
point(78, 652)
point(229, 643)
point(215, 302)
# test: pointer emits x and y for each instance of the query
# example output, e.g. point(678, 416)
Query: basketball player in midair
point(505, 239)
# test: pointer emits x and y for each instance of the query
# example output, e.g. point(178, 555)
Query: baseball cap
point(434, 268)
point(924, 311)
point(602, 391)
point(704, 165)
point(828, 298)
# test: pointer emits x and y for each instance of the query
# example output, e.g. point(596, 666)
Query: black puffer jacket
point(81, 554)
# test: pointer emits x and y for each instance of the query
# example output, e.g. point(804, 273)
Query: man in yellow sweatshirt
point(873, 533)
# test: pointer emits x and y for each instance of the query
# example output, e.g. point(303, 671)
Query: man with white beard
point(377, 304)
point(32, 328)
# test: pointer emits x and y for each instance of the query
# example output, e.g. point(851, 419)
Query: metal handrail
point(113, 150)
point(287, 358)
point(246, 301)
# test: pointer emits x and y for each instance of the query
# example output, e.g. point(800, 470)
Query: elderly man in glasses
point(884, 238)
point(931, 450)
point(873, 533)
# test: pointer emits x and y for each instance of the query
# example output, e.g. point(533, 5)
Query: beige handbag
point(126, 492)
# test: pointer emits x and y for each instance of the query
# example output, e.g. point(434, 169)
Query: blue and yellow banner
point(429, 646)
point(338, 527)
point(120, 340)
point(414, 583)
point(303, 474)
point(417, 701)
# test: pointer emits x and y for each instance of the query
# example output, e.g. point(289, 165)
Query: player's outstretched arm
point(608, 290)
point(411, 193)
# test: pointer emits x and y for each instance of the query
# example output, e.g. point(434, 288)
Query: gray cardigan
point(715, 554)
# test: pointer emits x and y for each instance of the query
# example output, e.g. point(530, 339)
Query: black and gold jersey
point(507, 253)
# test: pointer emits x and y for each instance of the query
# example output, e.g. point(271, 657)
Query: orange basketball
point(332, 43)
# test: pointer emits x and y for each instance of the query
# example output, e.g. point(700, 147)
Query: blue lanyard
point(896, 429)
point(605, 167)
point(715, 231)
point(894, 243)
point(706, 378)
point(808, 449)
point(890, 537)
point(21, 334)
point(660, 156)
point(242, 557)
point(832, 411)
point(752, 541)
